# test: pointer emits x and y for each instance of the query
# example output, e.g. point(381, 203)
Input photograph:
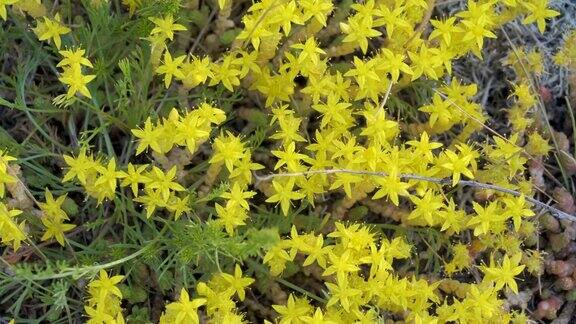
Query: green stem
point(86, 270)
point(301, 290)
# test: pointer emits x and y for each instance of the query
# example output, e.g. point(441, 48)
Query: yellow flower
point(226, 73)
point(132, 5)
point(134, 176)
point(163, 182)
point(105, 286)
point(4, 159)
point(289, 157)
point(309, 51)
point(5, 178)
point(458, 164)
point(296, 310)
point(505, 148)
point(98, 315)
point(237, 282)
point(165, 26)
point(391, 186)
point(230, 217)
point(81, 167)
point(504, 275)
point(55, 228)
point(196, 71)
point(51, 29)
point(76, 81)
point(341, 265)
point(10, 231)
point(3, 4)
point(424, 147)
point(538, 12)
point(53, 208)
point(317, 9)
point(484, 218)
point(192, 131)
point(394, 64)
point(284, 194)
point(237, 196)
point(149, 137)
point(228, 149)
point(426, 207)
point(178, 205)
point(223, 3)
point(343, 294)
point(171, 68)
point(516, 209)
point(444, 29)
point(108, 175)
point(151, 200)
point(74, 58)
point(477, 31)
point(184, 310)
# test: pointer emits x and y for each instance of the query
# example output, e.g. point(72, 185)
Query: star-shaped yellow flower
point(51, 29)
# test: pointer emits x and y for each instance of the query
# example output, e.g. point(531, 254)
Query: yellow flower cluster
point(216, 296)
point(53, 218)
point(358, 147)
point(104, 303)
point(5, 176)
point(101, 181)
point(11, 232)
point(235, 212)
point(268, 22)
point(566, 56)
point(188, 131)
point(98, 180)
point(340, 95)
point(351, 294)
point(194, 71)
point(72, 76)
point(72, 60)
point(230, 151)
point(461, 259)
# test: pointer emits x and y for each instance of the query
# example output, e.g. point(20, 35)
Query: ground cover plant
point(286, 161)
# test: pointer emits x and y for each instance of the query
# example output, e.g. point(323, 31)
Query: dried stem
point(441, 181)
point(386, 96)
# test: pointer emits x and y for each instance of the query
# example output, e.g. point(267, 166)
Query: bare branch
point(441, 181)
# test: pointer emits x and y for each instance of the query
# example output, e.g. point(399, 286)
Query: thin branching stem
point(81, 272)
point(441, 181)
point(386, 96)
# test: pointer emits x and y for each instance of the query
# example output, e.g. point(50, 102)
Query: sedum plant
point(306, 161)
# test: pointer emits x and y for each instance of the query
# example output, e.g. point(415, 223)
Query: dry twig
point(441, 181)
